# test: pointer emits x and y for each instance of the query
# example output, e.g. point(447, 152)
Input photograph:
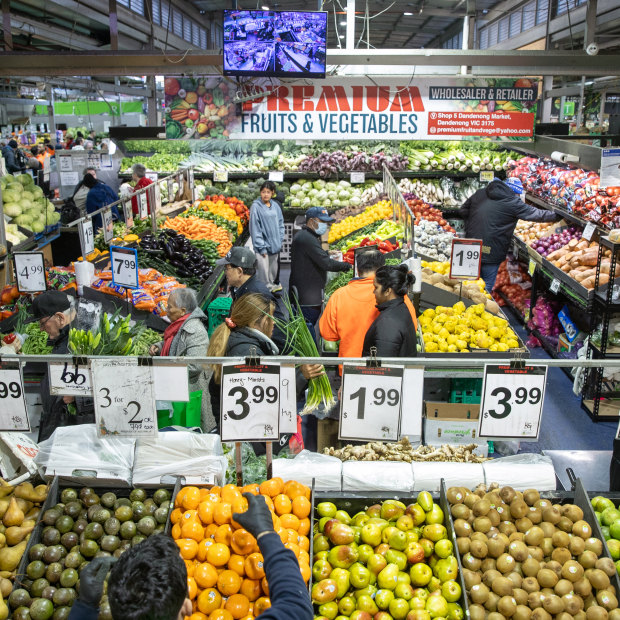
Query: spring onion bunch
point(301, 343)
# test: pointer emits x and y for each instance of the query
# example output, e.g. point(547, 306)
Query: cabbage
point(37, 191)
point(28, 196)
point(343, 194)
point(11, 196)
point(327, 203)
point(306, 202)
point(12, 209)
point(321, 196)
point(331, 186)
point(33, 214)
point(307, 186)
point(295, 188)
point(312, 193)
point(37, 226)
point(23, 220)
point(319, 184)
point(344, 183)
point(55, 218)
point(332, 195)
point(25, 204)
point(25, 179)
point(296, 202)
point(355, 201)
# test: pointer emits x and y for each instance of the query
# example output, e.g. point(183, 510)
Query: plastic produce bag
point(197, 458)
point(377, 476)
point(76, 452)
point(88, 315)
point(427, 476)
point(326, 470)
point(521, 472)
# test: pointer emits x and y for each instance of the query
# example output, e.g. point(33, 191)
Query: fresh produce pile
point(81, 526)
point(573, 189)
point(114, 337)
point(245, 191)
point(515, 284)
point(229, 217)
point(24, 202)
point(526, 557)
point(385, 247)
point(142, 343)
point(336, 162)
point(175, 255)
point(426, 191)
point(546, 245)
point(12, 233)
point(608, 515)
point(579, 260)
point(424, 211)
point(319, 193)
point(36, 341)
point(432, 241)
point(224, 565)
point(8, 299)
point(461, 330)
point(390, 558)
point(156, 146)
point(122, 234)
point(194, 228)
point(531, 232)
point(380, 211)
point(404, 451)
point(379, 230)
point(159, 162)
point(544, 319)
point(344, 277)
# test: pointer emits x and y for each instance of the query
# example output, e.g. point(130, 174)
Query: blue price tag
point(569, 327)
point(124, 266)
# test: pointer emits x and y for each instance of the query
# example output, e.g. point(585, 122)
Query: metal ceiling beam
point(156, 63)
point(48, 32)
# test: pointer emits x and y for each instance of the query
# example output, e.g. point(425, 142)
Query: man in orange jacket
point(351, 309)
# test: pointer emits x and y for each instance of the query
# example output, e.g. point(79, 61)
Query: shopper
point(310, 264)
point(138, 174)
point(187, 336)
point(78, 145)
point(80, 191)
point(12, 159)
point(491, 214)
point(393, 332)
point(99, 195)
point(267, 231)
point(54, 311)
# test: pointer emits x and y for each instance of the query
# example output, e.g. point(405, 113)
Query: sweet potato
point(588, 282)
point(589, 258)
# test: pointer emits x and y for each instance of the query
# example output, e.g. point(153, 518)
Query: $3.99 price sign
point(250, 402)
point(512, 402)
point(13, 413)
point(124, 263)
point(370, 407)
point(30, 272)
point(124, 398)
point(466, 258)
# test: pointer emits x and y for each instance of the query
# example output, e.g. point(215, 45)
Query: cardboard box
point(455, 423)
point(451, 411)
point(327, 434)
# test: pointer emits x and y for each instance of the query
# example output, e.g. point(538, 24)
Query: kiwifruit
point(534, 536)
point(463, 543)
point(534, 600)
point(574, 513)
point(536, 553)
point(562, 587)
point(534, 515)
point(530, 584)
point(502, 586)
point(471, 578)
point(479, 593)
point(523, 524)
point(493, 517)
point(606, 600)
point(560, 539)
point(480, 536)
point(530, 567)
point(572, 603)
point(572, 570)
point(531, 496)
point(487, 564)
point(540, 614)
point(518, 508)
point(493, 497)
point(471, 562)
point(495, 615)
point(503, 510)
point(516, 578)
point(556, 567)
point(516, 536)
point(614, 614)
point(587, 559)
point(505, 563)
point(595, 545)
point(547, 546)
point(583, 587)
point(490, 576)
point(470, 499)
point(482, 524)
point(606, 565)
point(462, 528)
point(598, 579)
point(577, 545)
point(551, 514)
point(507, 527)
point(478, 549)
point(546, 578)
point(582, 529)
point(460, 511)
point(565, 524)
point(507, 494)
point(547, 528)
point(518, 550)
point(491, 602)
point(596, 613)
point(522, 613)
point(589, 601)
point(547, 592)
point(477, 612)
point(507, 606)
point(481, 507)
point(561, 555)
point(553, 604)
point(520, 595)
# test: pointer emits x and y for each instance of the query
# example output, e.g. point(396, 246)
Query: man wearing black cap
point(310, 264)
point(53, 310)
point(9, 152)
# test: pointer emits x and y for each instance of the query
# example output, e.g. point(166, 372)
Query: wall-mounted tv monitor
point(275, 43)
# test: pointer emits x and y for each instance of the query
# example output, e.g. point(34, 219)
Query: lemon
point(452, 348)
point(443, 333)
point(513, 344)
point(431, 347)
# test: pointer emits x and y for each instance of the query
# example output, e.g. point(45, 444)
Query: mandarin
point(191, 499)
point(238, 605)
point(261, 605)
point(205, 575)
point(242, 542)
point(209, 600)
point(205, 512)
point(251, 588)
point(192, 588)
point(218, 554)
point(222, 513)
point(223, 534)
point(229, 582)
point(221, 614)
point(203, 547)
point(188, 548)
point(272, 487)
point(236, 563)
point(254, 566)
point(290, 521)
point(282, 504)
point(301, 507)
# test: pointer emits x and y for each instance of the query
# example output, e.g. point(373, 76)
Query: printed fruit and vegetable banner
point(354, 108)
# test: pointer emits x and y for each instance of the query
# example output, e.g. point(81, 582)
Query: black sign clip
point(517, 362)
point(372, 361)
point(253, 359)
point(145, 360)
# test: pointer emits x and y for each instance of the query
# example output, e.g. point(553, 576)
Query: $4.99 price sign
point(13, 413)
point(466, 258)
point(371, 403)
point(30, 272)
point(512, 402)
point(124, 399)
point(124, 263)
point(250, 402)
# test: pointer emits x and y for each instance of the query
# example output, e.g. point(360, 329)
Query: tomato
point(171, 86)
point(193, 115)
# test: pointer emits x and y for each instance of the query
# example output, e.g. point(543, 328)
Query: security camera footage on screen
point(273, 43)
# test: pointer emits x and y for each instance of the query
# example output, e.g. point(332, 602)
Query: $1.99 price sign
point(250, 402)
point(30, 272)
point(124, 263)
point(13, 413)
point(512, 402)
point(466, 258)
point(87, 237)
point(371, 403)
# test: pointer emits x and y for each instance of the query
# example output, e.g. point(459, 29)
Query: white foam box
point(17, 452)
point(377, 476)
point(512, 471)
point(324, 471)
point(427, 476)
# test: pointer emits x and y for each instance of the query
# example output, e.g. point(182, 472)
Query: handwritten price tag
point(108, 230)
point(288, 400)
point(143, 205)
point(358, 177)
point(13, 413)
point(220, 176)
point(69, 380)
point(30, 272)
point(588, 231)
point(276, 176)
point(128, 211)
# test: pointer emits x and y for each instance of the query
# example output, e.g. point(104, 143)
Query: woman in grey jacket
point(187, 336)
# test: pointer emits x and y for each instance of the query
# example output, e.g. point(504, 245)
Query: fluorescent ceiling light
point(343, 23)
point(407, 13)
point(265, 8)
point(341, 36)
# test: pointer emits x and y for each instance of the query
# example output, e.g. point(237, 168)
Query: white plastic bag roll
point(306, 466)
point(427, 476)
point(377, 476)
point(521, 472)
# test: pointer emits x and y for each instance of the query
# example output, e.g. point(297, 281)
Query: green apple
point(417, 603)
point(347, 605)
point(451, 591)
point(610, 515)
point(437, 606)
point(326, 509)
point(618, 566)
point(614, 548)
point(420, 574)
point(446, 569)
point(444, 548)
point(455, 612)
point(602, 503)
point(329, 610)
point(614, 529)
point(605, 532)
point(399, 608)
point(383, 598)
point(321, 570)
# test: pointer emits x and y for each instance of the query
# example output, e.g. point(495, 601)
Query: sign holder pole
point(238, 463)
point(269, 458)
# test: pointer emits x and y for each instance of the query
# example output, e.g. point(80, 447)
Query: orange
point(269, 503)
point(212, 499)
point(205, 512)
point(294, 548)
point(265, 586)
point(305, 571)
point(192, 588)
point(188, 548)
point(197, 615)
point(282, 504)
point(292, 535)
point(229, 493)
point(254, 566)
point(304, 543)
point(294, 489)
point(178, 500)
point(209, 600)
point(251, 488)
point(176, 531)
point(251, 588)
point(191, 566)
point(243, 542)
point(261, 604)
point(272, 487)
point(205, 575)
point(239, 505)
point(210, 530)
point(283, 534)
point(223, 535)
point(304, 527)
point(193, 529)
point(238, 605)
point(290, 521)
point(236, 563)
point(191, 499)
point(175, 515)
point(276, 521)
point(221, 614)
point(222, 513)
point(304, 556)
point(203, 493)
point(218, 554)
point(203, 547)
point(228, 582)
point(215, 491)
point(301, 507)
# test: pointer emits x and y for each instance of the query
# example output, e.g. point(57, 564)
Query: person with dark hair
point(99, 195)
point(80, 192)
point(393, 332)
point(11, 158)
point(78, 145)
point(267, 231)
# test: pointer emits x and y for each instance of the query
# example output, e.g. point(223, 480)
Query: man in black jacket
point(11, 159)
point(310, 264)
point(491, 214)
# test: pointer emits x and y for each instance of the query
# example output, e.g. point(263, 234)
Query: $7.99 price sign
point(30, 272)
point(512, 402)
point(13, 413)
point(370, 408)
point(250, 402)
point(124, 262)
point(465, 258)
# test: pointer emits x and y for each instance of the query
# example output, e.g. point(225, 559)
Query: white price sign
point(288, 400)
point(358, 177)
point(190, 178)
point(276, 176)
point(124, 262)
point(70, 380)
point(128, 212)
point(170, 185)
point(555, 285)
point(250, 402)
point(413, 399)
point(220, 176)
point(108, 226)
point(13, 413)
point(87, 238)
point(30, 272)
point(157, 198)
point(512, 402)
point(466, 258)
point(371, 403)
point(143, 205)
point(152, 176)
point(124, 398)
point(588, 231)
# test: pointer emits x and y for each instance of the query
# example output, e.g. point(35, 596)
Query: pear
point(10, 556)
point(14, 515)
point(4, 610)
point(15, 534)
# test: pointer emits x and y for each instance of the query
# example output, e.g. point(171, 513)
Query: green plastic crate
point(467, 391)
point(217, 311)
